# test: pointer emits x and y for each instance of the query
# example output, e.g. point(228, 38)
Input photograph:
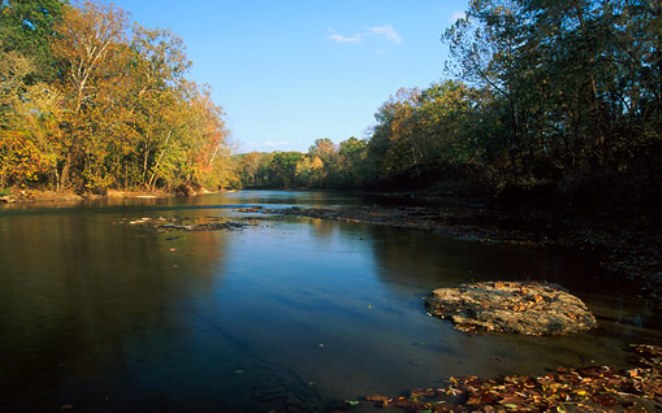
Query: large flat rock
point(530, 308)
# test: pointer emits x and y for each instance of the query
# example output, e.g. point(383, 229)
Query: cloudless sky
point(288, 72)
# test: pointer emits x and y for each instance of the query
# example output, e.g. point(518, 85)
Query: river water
point(294, 313)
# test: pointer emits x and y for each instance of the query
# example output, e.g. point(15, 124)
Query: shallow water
point(289, 313)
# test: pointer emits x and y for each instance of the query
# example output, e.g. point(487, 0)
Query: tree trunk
point(152, 179)
point(145, 162)
point(64, 176)
point(57, 179)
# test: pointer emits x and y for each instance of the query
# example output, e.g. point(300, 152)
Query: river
point(291, 313)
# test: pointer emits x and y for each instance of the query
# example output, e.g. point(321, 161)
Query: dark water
point(290, 314)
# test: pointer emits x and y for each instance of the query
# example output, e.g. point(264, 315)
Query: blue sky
point(289, 72)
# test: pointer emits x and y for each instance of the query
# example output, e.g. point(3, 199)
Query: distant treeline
point(89, 101)
point(549, 98)
point(562, 98)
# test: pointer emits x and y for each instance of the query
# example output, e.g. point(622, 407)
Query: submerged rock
point(186, 224)
point(530, 308)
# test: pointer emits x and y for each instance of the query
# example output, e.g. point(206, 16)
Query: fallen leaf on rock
point(529, 308)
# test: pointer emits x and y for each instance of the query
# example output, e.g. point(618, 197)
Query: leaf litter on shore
point(593, 389)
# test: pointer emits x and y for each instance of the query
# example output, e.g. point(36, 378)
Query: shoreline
point(46, 196)
point(595, 389)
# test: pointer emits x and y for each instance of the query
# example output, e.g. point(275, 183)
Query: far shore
point(68, 196)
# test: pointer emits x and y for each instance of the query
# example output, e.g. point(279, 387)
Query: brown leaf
point(378, 398)
point(429, 392)
point(512, 400)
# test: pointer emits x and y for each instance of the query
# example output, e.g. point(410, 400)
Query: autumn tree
point(29, 128)
point(26, 133)
point(89, 48)
point(248, 166)
point(158, 67)
point(209, 156)
point(119, 111)
point(310, 172)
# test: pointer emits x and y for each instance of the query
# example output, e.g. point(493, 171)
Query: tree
point(354, 168)
point(310, 172)
point(89, 47)
point(391, 148)
point(248, 168)
point(28, 28)
point(157, 72)
point(282, 169)
point(210, 154)
point(28, 125)
point(574, 86)
point(420, 135)
point(120, 111)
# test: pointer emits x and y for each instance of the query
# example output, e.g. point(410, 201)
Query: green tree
point(574, 87)
point(354, 169)
point(28, 27)
point(282, 169)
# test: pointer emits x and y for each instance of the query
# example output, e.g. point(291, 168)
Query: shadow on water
point(414, 263)
point(287, 315)
point(104, 319)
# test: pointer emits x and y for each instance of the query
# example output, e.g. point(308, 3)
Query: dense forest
point(90, 101)
point(548, 98)
point(557, 99)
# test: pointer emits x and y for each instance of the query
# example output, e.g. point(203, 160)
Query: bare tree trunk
point(145, 161)
point(64, 175)
point(152, 179)
point(211, 161)
point(57, 179)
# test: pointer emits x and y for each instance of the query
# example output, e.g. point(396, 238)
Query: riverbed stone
point(186, 224)
point(512, 307)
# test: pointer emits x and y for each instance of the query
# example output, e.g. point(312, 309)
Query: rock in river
point(531, 308)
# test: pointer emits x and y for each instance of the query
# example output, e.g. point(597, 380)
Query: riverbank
point(46, 196)
point(591, 389)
